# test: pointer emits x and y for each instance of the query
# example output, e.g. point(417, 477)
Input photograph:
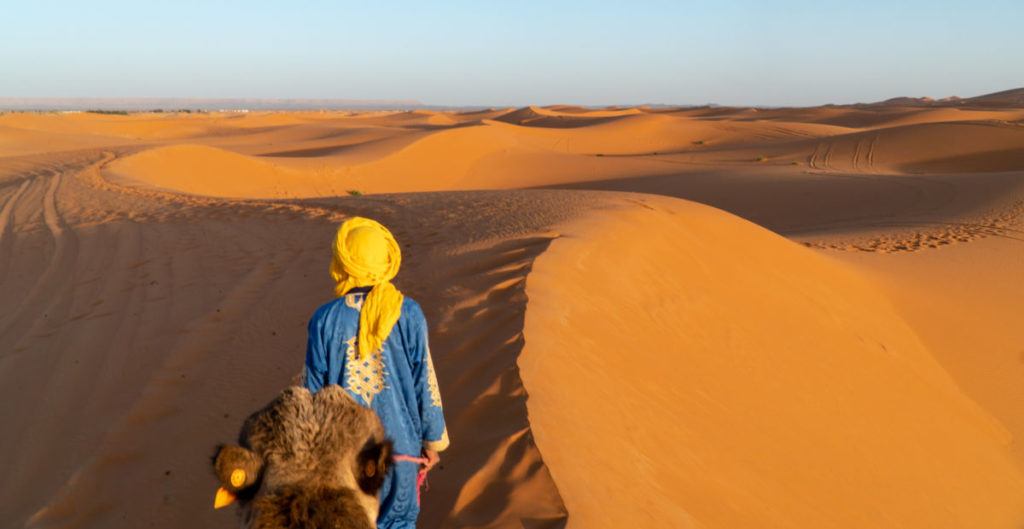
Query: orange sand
point(779, 389)
point(607, 359)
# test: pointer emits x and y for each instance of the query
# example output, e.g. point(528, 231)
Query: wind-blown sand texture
point(696, 317)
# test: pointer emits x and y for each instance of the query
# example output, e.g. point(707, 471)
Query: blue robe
point(398, 383)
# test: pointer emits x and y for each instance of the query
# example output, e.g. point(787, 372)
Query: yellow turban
point(366, 254)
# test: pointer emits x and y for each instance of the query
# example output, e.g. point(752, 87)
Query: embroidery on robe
point(364, 377)
point(435, 391)
point(354, 300)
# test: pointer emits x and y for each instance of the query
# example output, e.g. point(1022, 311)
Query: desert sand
point(676, 317)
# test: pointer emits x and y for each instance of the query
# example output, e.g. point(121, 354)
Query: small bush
point(761, 158)
point(699, 142)
point(355, 192)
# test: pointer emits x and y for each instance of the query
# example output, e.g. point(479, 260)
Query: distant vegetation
point(355, 192)
point(761, 159)
point(152, 111)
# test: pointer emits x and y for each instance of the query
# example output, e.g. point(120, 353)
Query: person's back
point(372, 341)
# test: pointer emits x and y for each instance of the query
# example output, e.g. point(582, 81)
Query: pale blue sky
point(513, 53)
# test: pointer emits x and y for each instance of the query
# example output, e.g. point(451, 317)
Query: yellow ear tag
point(237, 478)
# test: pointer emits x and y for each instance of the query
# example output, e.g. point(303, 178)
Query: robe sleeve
point(435, 434)
point(315, 371)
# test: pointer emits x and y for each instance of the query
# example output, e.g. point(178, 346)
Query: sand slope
point(964, 303)
point(738, 380)
point(209, 171)
point(949, 147)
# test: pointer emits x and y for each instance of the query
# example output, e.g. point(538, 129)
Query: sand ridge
point(770, 375)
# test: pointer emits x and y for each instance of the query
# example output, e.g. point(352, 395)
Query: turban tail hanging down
point(367, 255)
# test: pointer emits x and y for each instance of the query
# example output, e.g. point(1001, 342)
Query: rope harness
point(421, 477)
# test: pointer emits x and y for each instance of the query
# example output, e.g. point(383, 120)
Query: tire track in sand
point(51, 285)
point(6, 227)
point(871, 153)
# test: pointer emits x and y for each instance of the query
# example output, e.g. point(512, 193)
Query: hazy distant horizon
point(730, 53)
point(348, 102)
point(137, 104)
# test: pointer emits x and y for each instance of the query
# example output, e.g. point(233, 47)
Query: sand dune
point(17, 141)
point(135, 127)
point(859, 116)
point(157, 270)
point(489, 154)
point(561, 117)
point(947, 147)
point(773, 370)
point(1005, 98)
point(209, 171)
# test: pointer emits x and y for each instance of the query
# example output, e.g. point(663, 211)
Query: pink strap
point(410, 459)
point(421, 478)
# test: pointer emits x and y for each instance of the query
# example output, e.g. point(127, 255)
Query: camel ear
point(372, 464)
point(236, 468)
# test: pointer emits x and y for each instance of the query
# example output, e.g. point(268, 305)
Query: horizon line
point(150, 103)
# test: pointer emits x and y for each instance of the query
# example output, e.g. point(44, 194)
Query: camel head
point(306, 460)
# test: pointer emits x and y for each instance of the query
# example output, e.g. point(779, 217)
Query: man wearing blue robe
point(396, 380)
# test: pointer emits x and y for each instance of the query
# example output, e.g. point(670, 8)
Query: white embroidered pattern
point(354, 300)
point(435, 391)
point(364, 377)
